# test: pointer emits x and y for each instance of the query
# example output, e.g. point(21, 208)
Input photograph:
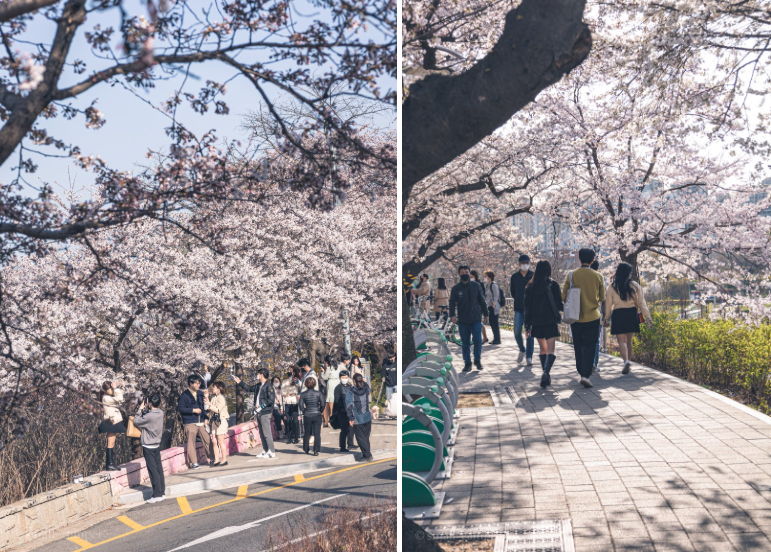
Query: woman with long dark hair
point(111, 398)
point(543, 304)
point(623, 305)
point(441, 297)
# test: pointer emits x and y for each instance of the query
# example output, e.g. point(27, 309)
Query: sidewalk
point(244, 468)
point(639, 462)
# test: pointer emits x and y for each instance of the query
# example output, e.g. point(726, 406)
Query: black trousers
point(585, 337)
point(346, 431)
point(155, 469)
point(494, 325)
point(312, 427)
point(362, 432)
point(292, 426)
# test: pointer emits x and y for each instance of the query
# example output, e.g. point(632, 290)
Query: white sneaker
point(161, 498)
point(263, 455)
point(521, 356)
point(151, 500)
point(271, 455)
point(529, 361)
point(585, 382)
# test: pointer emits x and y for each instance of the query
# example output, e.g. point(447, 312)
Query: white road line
point(238, 528)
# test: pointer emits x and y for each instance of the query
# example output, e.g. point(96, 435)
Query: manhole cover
point(518, 536)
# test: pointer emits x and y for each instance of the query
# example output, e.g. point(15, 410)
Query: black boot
point(546, 378)
point(111, 460)
point(543, 360)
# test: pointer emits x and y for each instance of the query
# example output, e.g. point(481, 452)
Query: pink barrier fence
point(240, 437)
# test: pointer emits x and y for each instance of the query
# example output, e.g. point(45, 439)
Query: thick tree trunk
point(409, 353)
point(444, 116)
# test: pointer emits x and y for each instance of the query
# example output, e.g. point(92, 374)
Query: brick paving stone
point(638, 462)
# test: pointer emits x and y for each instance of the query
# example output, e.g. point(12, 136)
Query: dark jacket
point(263, 395)
point(538, 309)
point(390, 373)
point(186, 403)
point(469, 299)
point(338, 409)
point(357, 405)
point(517, 288)
point(312, 402)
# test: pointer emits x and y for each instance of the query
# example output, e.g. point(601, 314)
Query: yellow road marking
point(130, 522)
point(86, 545)
point(299, 478)
point(184, 505)
point(242, 490)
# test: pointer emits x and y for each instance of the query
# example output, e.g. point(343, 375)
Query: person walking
point(517, 285)
point(264, 399)
point(625, 304)
point(111, 397)
point(359, 415)
point(218, 421)
point(150, 420)
point(468, 300)
point(339, 411)
point(475, 278)
point(543, 304)
point(390, 374)
point(596, 367)
point(290, 394)
point(493, 301)
point(587, 328)
point(332, 377)
point(312, 404)
point(192, 406)
point(441, 297)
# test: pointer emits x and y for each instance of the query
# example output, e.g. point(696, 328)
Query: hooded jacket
point(357, 405)
point(390, 372)
point(469, 300)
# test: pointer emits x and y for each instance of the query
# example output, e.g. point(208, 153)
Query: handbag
point(553, 303)
point(214, 418)
point(572, 311)
point(132, 430)
point(640, 318)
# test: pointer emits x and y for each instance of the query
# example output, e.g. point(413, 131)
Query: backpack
point(572, 310)
point(501, 297)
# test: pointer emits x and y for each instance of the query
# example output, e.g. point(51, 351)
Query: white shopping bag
point(572, 310)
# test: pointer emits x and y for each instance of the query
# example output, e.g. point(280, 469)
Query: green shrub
point(724, 354)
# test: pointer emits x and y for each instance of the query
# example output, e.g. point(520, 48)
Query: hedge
point(722, 354)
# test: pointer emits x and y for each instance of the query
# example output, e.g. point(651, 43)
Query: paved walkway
point(639, 462)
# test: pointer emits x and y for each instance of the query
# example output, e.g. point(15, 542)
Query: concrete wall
point(23, 521)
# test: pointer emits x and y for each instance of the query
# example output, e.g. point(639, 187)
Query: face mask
point(464, 277)
point(276, 385)
point(487, 280)
point(344, 381)
point(524, 267)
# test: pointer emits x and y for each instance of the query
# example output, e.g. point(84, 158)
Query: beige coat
point(111, 405)
point(637, 300)
point(423, 290)
point(219, 404)
point(441, 299)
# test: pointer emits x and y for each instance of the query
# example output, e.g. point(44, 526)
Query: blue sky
point(133, 126)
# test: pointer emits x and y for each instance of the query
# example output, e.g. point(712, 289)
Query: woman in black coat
point(312, 403)
point(543, 304)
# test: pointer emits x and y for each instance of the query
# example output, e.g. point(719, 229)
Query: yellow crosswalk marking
point(184, 505)
point(299, 478)
point(242, 490)
point(84, 544)
point(130, 522)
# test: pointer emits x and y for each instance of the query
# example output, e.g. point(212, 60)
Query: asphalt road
point(247, 518)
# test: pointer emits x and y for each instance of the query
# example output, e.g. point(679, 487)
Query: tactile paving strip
point(518, 536)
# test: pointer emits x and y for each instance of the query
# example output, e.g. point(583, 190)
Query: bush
point(723, 354)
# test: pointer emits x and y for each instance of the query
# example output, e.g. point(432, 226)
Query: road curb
point(246, 478)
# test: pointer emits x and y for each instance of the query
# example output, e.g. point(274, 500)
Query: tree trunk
point(239, 395)
point(409, 353)
point(444, 116)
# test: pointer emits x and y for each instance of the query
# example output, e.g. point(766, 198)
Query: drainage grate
point(504, 396)
point(517, 536)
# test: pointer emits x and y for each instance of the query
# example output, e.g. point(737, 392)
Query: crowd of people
point(540, 305)
point(338, 397)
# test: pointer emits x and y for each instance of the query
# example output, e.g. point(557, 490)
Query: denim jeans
point(466, 331)
point(519, 322)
